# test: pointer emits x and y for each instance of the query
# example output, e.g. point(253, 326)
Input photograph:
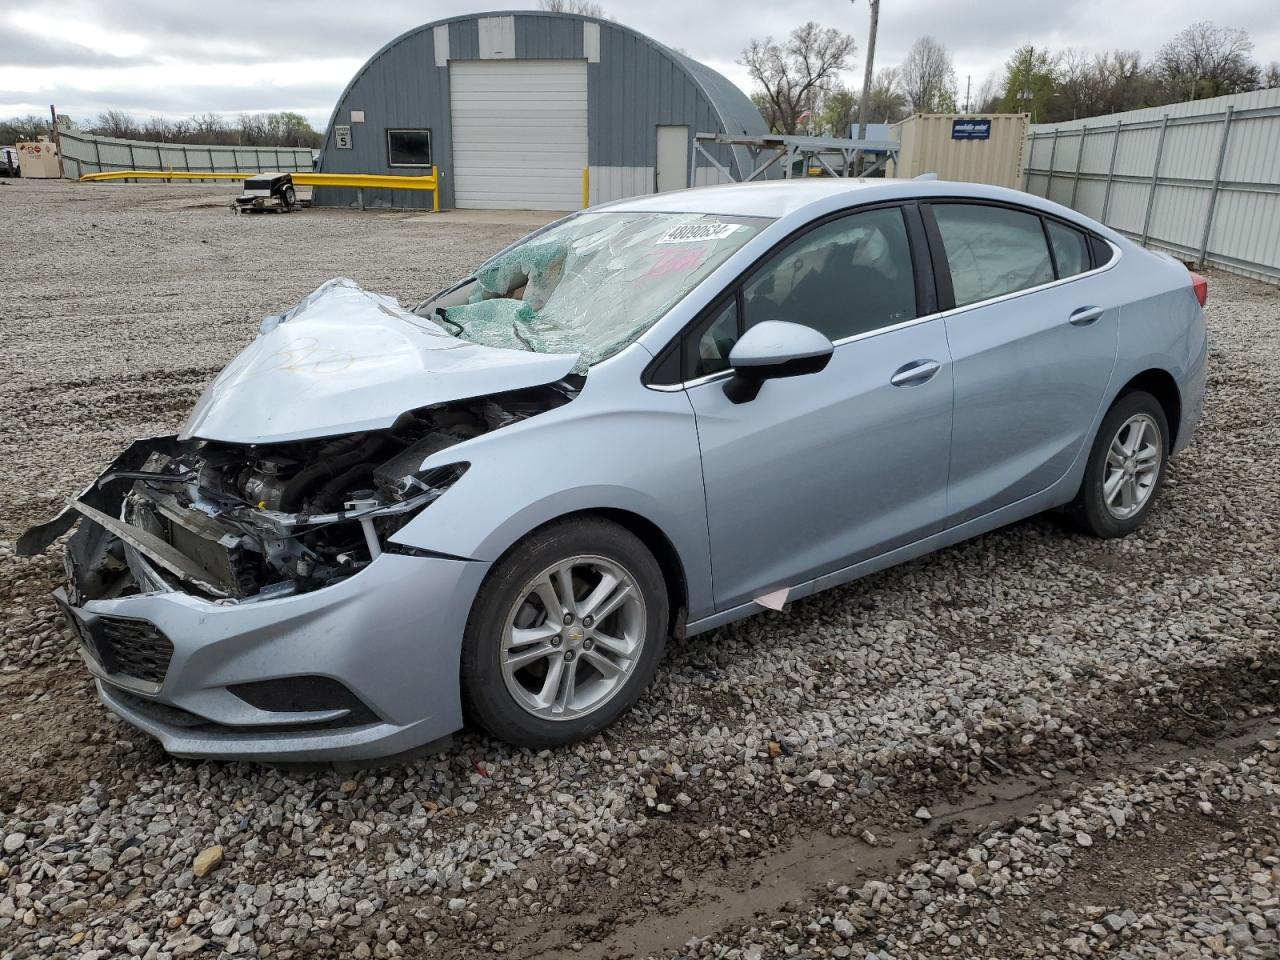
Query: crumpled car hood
point(345, 360)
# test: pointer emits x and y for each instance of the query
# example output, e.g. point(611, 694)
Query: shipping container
point(972, 147)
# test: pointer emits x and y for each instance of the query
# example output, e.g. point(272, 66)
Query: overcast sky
point(181, 56)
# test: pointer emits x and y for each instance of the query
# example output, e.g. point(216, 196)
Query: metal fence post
point(1155, 177)
point(1213, 190)
point(1053, 152)
point(1026, 171)
point(1111, 170)
point(97, 154)
point(1075, 184)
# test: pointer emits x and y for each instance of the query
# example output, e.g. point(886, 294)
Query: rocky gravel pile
point(1030, 657)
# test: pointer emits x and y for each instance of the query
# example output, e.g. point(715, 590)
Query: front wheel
point(1126, 468)
point(565, 634)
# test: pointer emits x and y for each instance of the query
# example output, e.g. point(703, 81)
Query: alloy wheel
point(1132, 466)
point(573, 637)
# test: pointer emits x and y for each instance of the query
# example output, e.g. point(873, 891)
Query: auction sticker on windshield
point(691, 232)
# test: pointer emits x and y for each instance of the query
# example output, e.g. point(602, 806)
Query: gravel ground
point(1031, 744)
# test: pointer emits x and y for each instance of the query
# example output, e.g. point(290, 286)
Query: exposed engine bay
point(243, 522)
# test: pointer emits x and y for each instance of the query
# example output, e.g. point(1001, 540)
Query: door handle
point(915, 372)
point(1084, 316)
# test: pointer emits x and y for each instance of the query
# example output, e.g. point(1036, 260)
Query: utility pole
point(866, 77)
point(968, 80)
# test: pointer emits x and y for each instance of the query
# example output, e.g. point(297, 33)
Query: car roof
point(778, 198)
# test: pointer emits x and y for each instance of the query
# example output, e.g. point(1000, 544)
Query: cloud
point(156, 56)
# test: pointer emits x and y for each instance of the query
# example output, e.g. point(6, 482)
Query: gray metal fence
point(86, 153)
point(1200, 180)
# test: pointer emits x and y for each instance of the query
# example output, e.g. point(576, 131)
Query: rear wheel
point(1126, 468)
point(565, 634)
point(288, 199)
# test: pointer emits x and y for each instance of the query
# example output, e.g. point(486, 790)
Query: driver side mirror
point(771, 349)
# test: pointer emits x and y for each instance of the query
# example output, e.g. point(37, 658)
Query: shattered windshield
point(590, 285)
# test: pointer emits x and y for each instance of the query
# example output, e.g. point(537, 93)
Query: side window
point(846, 277)
point(1069, 248)
point(715, 341)
point(992, 250)
point(1102, 252)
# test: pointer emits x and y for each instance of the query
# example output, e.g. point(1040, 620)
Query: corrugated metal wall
point(928, 147)
point(86, 153)
point(1199, 179)
point(634, 85)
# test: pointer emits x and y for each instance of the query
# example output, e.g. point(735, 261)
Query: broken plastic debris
point(775, 600)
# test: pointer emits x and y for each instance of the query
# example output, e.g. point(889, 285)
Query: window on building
point(409, 148)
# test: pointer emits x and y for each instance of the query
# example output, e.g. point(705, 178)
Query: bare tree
point(1081, 84)
point(29, 127)
point(1125, 80)
point(928, 78)
point(1271, 76)
point(157, 128)
point(987, 99)
point(585, 8)
point(887, 103)
point(794, 75)
point(212, 128)
point(116, 123)
point(1205, 60)
point(253, 130)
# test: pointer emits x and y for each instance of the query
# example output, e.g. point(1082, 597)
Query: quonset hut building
point(512, 108)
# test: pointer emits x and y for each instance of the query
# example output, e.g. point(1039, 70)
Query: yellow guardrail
point(161, 175)
point(356, 181)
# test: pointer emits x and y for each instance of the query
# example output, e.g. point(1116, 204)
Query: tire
point(513, 621)
point(1131, 501)
point(288, 199)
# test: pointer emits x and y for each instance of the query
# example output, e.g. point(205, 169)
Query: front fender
point(638, 455)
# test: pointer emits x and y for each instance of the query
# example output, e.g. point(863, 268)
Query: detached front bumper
point(365, 668)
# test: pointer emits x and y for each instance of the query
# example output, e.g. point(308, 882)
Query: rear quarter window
point(1070, 248)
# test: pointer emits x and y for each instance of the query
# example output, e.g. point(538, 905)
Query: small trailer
point(267, 191)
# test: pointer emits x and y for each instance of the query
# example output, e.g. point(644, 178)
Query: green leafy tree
point(1029, 82)
point(839, 111)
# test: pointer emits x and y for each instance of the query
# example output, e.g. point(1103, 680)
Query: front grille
point(134, 648)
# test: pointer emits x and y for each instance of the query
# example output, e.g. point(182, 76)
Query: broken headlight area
point(246, 522)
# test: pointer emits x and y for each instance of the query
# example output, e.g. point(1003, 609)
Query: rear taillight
point(1201, 287)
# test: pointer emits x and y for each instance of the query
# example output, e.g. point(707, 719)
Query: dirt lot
point(1032, 744)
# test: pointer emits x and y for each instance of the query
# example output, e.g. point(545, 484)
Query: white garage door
point(519, 133)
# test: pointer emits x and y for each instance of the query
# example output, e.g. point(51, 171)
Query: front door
point(823, 470)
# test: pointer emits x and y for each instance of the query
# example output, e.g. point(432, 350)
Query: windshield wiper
point(441, 315)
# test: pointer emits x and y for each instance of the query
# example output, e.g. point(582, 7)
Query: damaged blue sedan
point(648, 419)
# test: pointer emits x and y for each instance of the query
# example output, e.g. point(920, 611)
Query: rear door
point(1033, 340)
point(823, 470)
